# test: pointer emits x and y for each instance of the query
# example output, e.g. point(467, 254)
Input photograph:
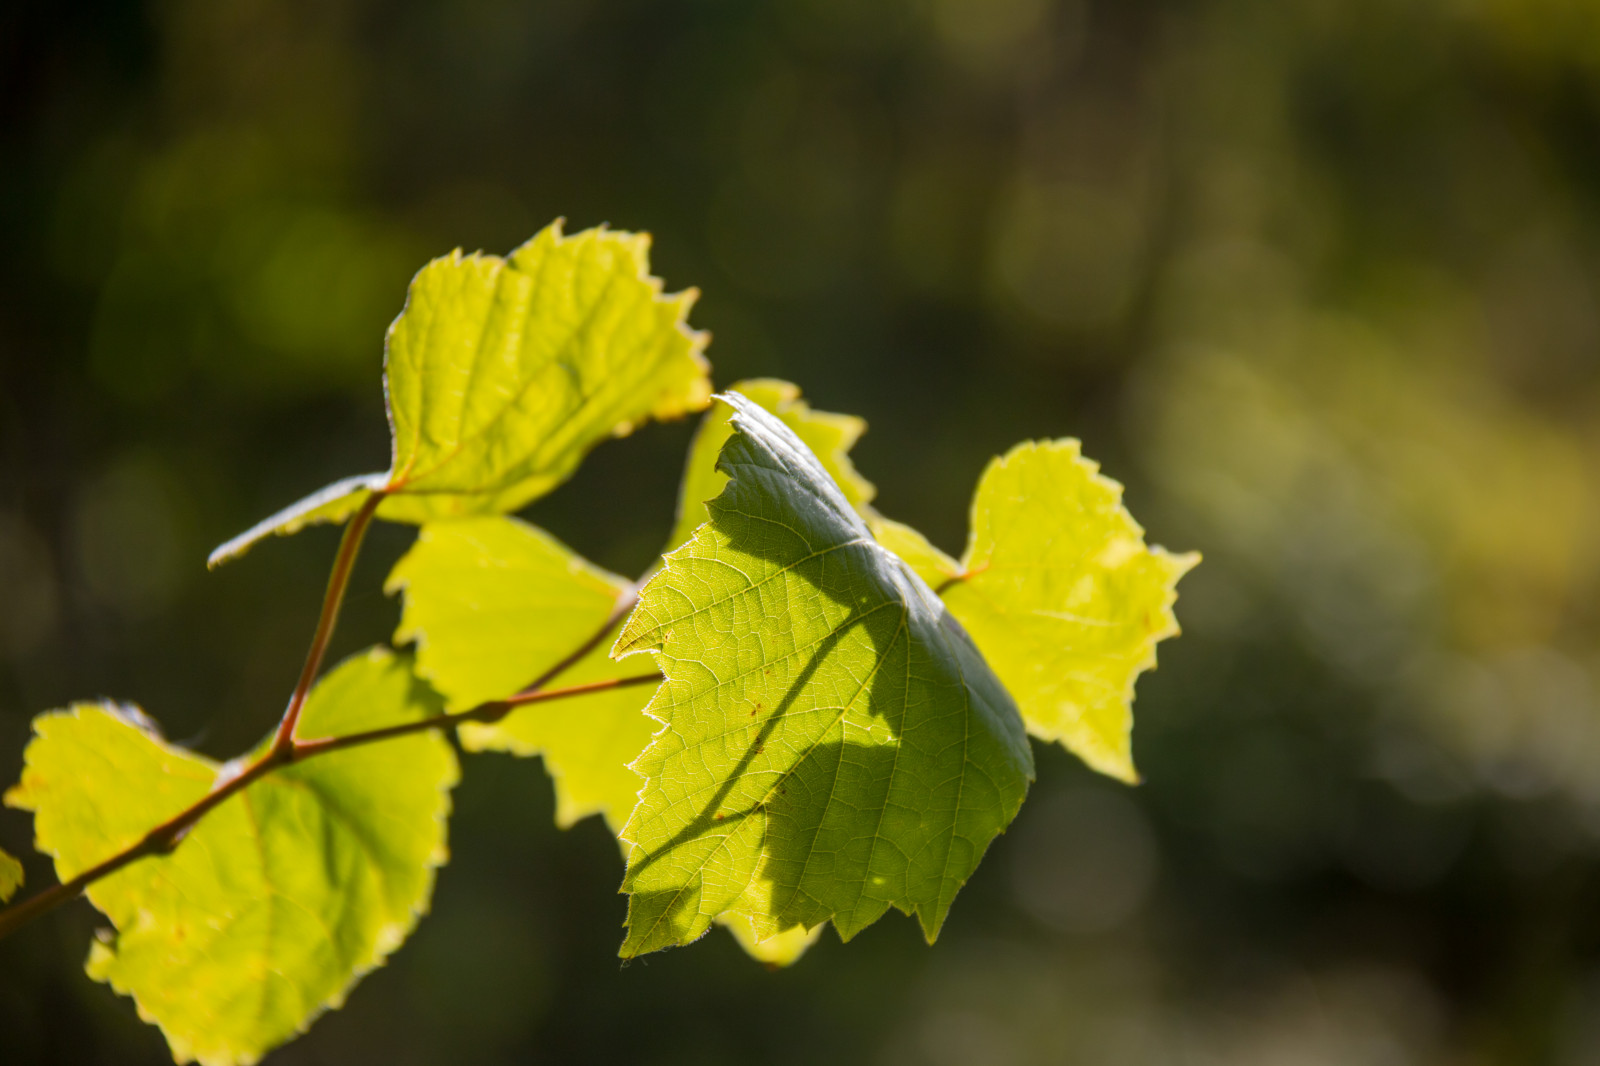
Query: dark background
point(1317, 280)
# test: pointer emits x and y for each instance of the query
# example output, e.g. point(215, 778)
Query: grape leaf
point(1060, 593)
point(283, 896)
point(10, 876)
point(493, 603)
point(776, 951)
point(833, 744)
point(829, 436)
point(502, 374)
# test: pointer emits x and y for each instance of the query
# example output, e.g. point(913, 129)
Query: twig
point(165, 838)
point(285, 749)
point(332, 600)
point(159, 841)
point(492, 711)
point(625, 603)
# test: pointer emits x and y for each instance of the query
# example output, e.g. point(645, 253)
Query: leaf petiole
point(338, 580)
point(492, 711)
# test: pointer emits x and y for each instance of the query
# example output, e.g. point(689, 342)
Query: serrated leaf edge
point(1178, 565)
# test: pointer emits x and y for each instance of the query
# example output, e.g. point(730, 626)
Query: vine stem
point(492, 711)
point(166, 837)
point(332, 599)
point(285, 749)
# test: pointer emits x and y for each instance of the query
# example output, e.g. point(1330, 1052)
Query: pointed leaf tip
point(830, 437)
point(331, 503)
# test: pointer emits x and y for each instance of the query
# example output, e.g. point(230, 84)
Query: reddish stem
point(164, 838)
point(332, 600)
point(492, 711)
point(159, 841)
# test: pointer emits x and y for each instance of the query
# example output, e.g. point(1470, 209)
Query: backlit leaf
point(331, 503)
point(833, 745)
point(10, 876)
point(492, 604)
point(283, 896)
point(502, 374)
point(776, 951)
point(829, 436)
point(1060, 593)
point(931, 564)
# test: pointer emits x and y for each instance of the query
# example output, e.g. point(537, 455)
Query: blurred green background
point(1317, 280)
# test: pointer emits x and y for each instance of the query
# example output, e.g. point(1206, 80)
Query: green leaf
point(1060, 593)
point(494, 603)
point(502, 374)
point(10, 876)
point(829, 436)
point(278, 900)
point(833, 744)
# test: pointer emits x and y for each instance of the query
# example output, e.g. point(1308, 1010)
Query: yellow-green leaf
point(931, 564)
point(494, 603)
point(833, 745)
point(10, 876)
point(502, 374)
point(1060, 593)
point(776, 951)
point(829, 436)
point(284, 895)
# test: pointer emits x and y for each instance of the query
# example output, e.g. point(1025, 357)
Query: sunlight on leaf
point(776, 951)
point(931, 564)
point(10, 876)
point(1060, 593)
point(281, 898)
point(502, 374)
point(829, 436)
point(833, 744)
point(493, 603)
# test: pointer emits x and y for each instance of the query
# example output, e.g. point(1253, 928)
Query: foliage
point(825, 739)
point(277, 902)
point(493, 603)
point(502, 374)
point(1060, 593)
point(11, 876)
point(856, 754)
point(829, 436)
